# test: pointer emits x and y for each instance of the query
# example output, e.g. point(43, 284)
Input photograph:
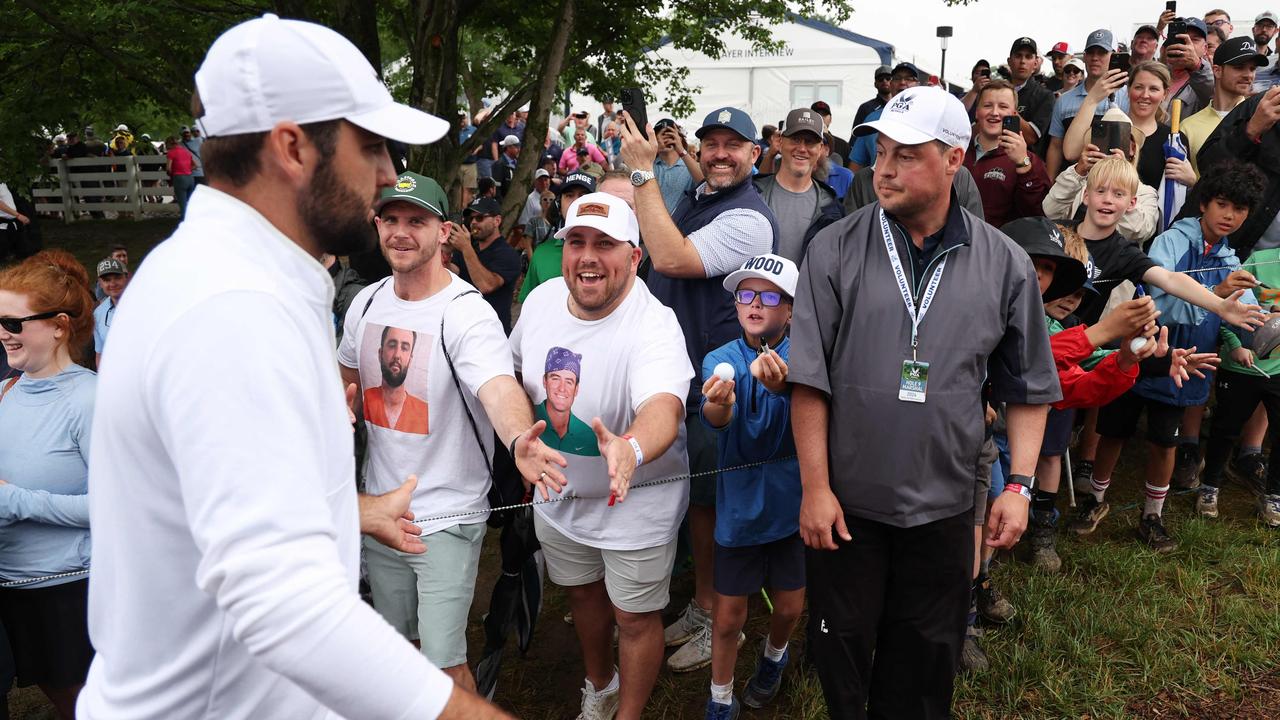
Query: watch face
point(638, 178)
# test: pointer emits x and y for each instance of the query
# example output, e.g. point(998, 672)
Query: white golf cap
point(541, 173)
point(774, 268)
point(267, 70)
point(920, 114)
point(122, 128)
point(607, 213)
point(510, 140)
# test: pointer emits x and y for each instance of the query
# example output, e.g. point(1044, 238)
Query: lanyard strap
point(900, 275)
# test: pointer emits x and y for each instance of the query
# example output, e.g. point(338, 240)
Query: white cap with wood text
point(920, 114)
point(268, 70)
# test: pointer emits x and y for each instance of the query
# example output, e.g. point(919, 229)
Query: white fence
point(129, 184)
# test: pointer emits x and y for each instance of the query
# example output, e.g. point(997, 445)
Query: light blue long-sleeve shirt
point(44, 462)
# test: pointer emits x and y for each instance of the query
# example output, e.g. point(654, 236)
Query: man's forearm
point(810, 414)
point(657, 424)
point(1026, 430)
point(507, 406)
point(672, 253)
point(484, 280)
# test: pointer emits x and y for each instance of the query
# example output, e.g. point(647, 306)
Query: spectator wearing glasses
point(1220, 19)
point(45, 418)
point(113, 276)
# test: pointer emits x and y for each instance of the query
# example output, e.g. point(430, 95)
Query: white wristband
point(635, 445)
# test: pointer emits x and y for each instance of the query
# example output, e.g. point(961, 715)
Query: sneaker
point(696, 653)
point(720, 711)
point(689, 623)
point(1269, 510)
point(992, 605)
point(972, 657)
point(1082, 476)
point(1088, 514)
point(1251, 471)
point(1042, 537)
point(1207, 502)
point(598, 704)
point(764, 684)
point(1186, 467)
point(1151, 530)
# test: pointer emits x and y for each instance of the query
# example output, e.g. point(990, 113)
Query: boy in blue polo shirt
point(757, 508)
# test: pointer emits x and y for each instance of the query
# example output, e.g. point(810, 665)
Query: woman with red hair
point(46, 319)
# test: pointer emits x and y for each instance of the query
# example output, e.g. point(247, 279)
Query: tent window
point(806, 93)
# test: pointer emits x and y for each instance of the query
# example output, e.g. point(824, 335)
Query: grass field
point(1120, 633)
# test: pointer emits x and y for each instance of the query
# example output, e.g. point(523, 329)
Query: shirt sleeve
point(1132, 262)
point(815, 322)
point(864, 151)
point(249, 462)
point(348, 349)
point(19, 503)
point(506, 264)
point(1056, 122)
point(1021, 368)
point(661, 362)
point(476, 342)
point(99, 340)
point(734, 237)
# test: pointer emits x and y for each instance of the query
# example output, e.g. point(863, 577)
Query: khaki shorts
point(982, 487)
point(637, 581)
point(468, 176)
point(428, 596)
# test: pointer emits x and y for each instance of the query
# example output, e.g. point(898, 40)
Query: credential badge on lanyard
point(914, 381)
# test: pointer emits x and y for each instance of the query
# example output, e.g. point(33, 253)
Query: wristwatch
point(1026, 162)
point(640, 177)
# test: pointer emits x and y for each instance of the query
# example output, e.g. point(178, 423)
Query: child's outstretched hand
point(771, 370)
point(719, 392)
point(1185, 362)
point(1155, 341)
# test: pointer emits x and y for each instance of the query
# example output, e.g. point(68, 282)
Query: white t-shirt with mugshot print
point(623, 360)
point(429, 435)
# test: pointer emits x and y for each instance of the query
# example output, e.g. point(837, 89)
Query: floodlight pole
point(944, 33)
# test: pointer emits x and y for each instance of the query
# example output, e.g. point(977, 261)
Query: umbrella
point(1173, 193)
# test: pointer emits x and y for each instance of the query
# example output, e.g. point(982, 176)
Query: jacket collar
point(954, 233)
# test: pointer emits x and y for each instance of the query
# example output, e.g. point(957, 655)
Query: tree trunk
point(535, 132)
point(434, 55)
point(358, 21)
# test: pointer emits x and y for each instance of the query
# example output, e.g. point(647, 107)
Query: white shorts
point(637, 581)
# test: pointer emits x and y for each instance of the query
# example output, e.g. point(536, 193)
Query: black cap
point(579, 179)
point(1239, 50)
point(1024, 43)
point(821, 107)
point(1150, 29)
point(907, 67)
point(1041, 237)
point(483, 206)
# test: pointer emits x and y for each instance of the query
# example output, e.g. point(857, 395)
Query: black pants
point(1238, 396)
point(902, 596)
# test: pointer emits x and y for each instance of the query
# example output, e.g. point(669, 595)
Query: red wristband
point(1022, 490)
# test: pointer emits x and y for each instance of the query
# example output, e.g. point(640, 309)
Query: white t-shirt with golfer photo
point(429, 435)
point(619, 362)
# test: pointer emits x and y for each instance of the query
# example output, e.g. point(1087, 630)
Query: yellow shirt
point(1198, 128)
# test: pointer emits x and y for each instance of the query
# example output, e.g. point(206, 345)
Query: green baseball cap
point(418, 190)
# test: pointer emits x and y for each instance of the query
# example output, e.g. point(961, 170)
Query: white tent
point(816, 61)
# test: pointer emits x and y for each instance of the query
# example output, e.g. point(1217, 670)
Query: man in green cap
point(392, 354)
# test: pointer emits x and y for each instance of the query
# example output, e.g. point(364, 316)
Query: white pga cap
point(921, 114)
point(607, 213)
point(774, 268)
point(267, 70)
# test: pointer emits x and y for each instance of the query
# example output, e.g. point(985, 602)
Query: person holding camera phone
point(1186, 55)
point(1011, 179)
point(980, 75)
point(1097, 58)
point(1034, 101)
point(676, 168)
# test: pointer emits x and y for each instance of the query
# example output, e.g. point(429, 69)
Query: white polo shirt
point(224, 513)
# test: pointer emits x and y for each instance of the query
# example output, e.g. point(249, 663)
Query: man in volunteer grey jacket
point(887, 510)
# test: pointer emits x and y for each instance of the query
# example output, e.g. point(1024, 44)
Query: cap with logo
point(920, 114)
point(773, 268)
point(728, 118)
point(803, 120)
point(883, 70)
point(1101, 38)
point(267, 70)
point(607, 213)
point(1059, 48)
point(485, 206)
point(1267, 16)
point(510, 140)
point(1195, 23)
point(111, 266)
point(1024, 43)
point(1239, 50)
point(1041, 237)
point(417, 190)
point(579, 179)
point(1076, 63)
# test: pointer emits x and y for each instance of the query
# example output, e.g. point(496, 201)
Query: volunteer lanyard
point(900, 275)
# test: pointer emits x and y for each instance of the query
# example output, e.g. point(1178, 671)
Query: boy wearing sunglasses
point(758, 508)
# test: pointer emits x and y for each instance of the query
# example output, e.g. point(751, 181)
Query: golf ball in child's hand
point(1136, 345)
point(724, 371)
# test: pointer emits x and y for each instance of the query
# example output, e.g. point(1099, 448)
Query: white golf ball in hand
point(1136, 345)
point(724, 371)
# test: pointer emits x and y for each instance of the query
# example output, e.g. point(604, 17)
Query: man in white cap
point(226, 522)
point(600, 355)
point(888, 432)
